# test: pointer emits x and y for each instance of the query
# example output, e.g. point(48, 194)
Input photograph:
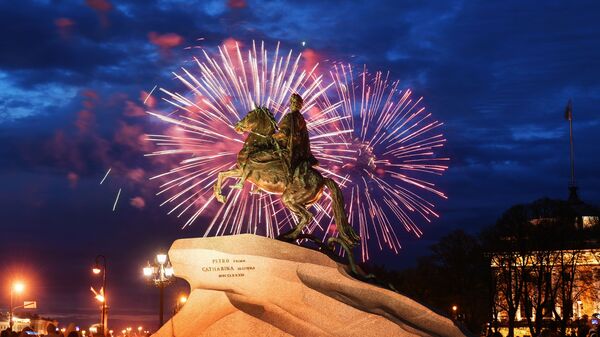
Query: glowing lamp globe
point(161, 258)
point(19, 287)
point(148, 270)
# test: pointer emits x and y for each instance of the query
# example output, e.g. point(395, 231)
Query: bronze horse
point(267, 170)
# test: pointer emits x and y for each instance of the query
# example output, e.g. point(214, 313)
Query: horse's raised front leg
point(217, 192)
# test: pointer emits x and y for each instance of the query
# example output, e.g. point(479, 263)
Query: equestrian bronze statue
point(282, 163)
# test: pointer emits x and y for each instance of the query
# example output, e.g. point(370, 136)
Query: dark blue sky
point(71, 75)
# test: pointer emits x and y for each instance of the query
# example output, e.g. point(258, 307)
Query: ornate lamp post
point(15, 287)
point(160, 274)
point(98, 268)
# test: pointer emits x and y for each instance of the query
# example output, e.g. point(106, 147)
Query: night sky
point(73, 74)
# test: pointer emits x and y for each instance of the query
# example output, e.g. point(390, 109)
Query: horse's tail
point(339, 214)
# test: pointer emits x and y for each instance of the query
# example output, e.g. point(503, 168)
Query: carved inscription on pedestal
point(227, 267)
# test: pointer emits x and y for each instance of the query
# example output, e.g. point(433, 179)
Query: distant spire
point(573, 197)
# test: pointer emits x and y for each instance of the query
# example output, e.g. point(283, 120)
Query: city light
point(18, 287)
point(161, 258)
point(169, 271)
point(148, 270)
point(100, 267)
point(161, 275)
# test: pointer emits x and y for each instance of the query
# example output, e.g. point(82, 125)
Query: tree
point(507, 243)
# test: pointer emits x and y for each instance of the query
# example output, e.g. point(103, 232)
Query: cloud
point(73, 179)
point(64, 26)
point(149, 100)
point(136, 174)
point(236, 4)
point(131, 136)
point(85, 121)
point(311, 59)
point(102, 7)
point(99, 5)
point(165, 41)
point(138, 202)
point(133, 110)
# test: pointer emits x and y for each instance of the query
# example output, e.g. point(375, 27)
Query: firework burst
point(217, 92)
point(374, 139)
point(393, 148)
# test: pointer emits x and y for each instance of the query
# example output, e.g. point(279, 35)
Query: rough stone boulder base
point(247, 285)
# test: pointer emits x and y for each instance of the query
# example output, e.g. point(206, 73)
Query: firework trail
point(393, 148)
point(217, 92)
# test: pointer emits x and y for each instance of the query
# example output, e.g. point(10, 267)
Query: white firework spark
point(394, 147)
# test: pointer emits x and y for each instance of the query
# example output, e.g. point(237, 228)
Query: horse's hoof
point(289, 236)
point(351, 239)
point(221, 198)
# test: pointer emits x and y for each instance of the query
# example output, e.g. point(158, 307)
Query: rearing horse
point(266, 170)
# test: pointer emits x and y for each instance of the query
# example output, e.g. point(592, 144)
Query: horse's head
point(259, 120)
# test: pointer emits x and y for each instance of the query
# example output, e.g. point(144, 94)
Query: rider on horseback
point(292, 145)
point(293, 139)
point(281, 163)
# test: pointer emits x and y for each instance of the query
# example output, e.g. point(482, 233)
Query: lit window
point(589, 221)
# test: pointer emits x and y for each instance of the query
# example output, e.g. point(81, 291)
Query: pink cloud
point(99, 5)
point(85, 120)
point(165, 41)
point(91, 94)
point(148, 99)
point(64, 22)
point(138, 202)
point(311, 58)
point(230, 44)
point(131, 135)
point(236, 4)
point(102, 7)
point(73, 179)
point(133, 110)
point(136, 174)
point(64, 27)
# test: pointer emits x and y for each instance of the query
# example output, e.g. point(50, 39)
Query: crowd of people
point(51, 331)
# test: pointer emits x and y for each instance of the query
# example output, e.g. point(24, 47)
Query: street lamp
point(180, 302)
point(97, 269)
point(160, 274)
point(16, 287)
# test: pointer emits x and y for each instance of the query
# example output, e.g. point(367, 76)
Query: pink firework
point(215, 94)
point(394, 147)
